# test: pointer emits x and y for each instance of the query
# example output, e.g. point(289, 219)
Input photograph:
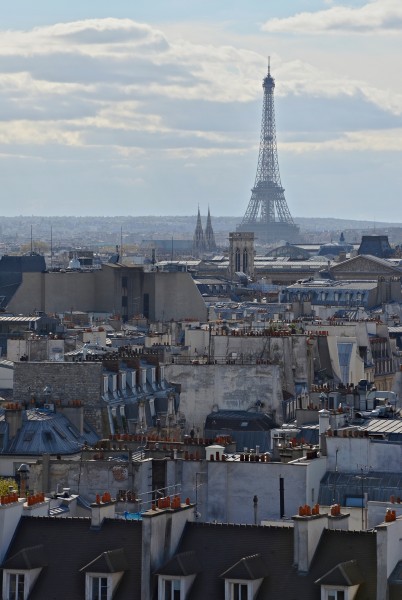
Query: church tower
point(241, 253)
point(209, 235)
point(198, 238)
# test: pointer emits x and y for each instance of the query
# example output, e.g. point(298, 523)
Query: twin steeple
point(203, 242)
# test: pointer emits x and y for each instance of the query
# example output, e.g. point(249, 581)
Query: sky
point(154, 108)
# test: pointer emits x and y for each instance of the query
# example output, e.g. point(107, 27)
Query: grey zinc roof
point(8, 364)
point(185, 563)
point(44, 431)
point(19, 319)
point(344, 574)
point(395, 582)
point(27, 558)
point(248, 568)
point(110, 561)
point(231, 543)
point(385, 426)
point(377, 485)
point(69, 545)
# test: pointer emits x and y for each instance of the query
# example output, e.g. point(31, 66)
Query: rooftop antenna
point(269, 65)
point(31, 241)
point(172, 251)
point(51, 247)
point(121, 244)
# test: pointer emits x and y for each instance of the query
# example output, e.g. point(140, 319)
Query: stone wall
point(91, 477)
point(205, 388)
point(66, 381)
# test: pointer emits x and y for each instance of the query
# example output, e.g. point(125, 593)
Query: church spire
point(198, 238)
point(209, 235)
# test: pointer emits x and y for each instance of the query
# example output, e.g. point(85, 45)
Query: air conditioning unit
point(49, 407)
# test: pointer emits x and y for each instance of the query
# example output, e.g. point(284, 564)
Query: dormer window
point(336, 595)
point(177, 576)
point(103, 574)
point(170, 589)
point(243, 579)
point(238, 591)
point(21, 571)
point(15, 586)
point(342, 582)
point(99, 588)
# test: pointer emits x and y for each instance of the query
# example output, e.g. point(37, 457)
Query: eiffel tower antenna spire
point(267, 214)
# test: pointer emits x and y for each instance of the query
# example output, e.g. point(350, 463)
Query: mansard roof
point(71, 547)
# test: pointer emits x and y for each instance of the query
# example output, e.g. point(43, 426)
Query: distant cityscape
point(201, 407)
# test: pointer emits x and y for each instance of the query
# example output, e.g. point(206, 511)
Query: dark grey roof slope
point(249, 567)
point(27, 558)
point(395, 582)
point(70, 545)
point(344, 574)
point(111, 561)
point(232, 543)
point(241, 420)
point(181, 565)
point(28, 263)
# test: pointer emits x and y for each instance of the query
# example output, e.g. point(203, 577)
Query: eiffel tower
point(267, 214)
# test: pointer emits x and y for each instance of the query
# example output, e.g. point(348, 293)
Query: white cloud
point(114, 83)
point(356, 141)
point(378, 16)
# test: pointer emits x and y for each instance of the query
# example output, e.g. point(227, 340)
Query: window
point(237, 260)
point(238, 591)
point(171, 589)
point(336, 595)
point(16, 586)
point(245, 260)
point(99, 588)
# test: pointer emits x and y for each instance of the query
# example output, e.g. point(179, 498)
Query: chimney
point(75, 414)
point(13, 417)
point(10, 514)
point(214, 452)
point(388, 536)
point(323, 419)
point(307, 534)
point(161, 533)
point(103, 508)
point(338, 520)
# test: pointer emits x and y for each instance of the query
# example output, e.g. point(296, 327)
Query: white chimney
point(101, 511)
point(323, 416)
point(307, 534)
point(10, 515)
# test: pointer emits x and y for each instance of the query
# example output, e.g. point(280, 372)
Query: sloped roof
point(70, 544)
point(27, 558)
point(248, 568)
point(110, 561)
point(344, 574)
point(185, 563)
point(232, 543)
point(239, 420)
point(381, 263)
point(44, 431)
point(395, 582)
